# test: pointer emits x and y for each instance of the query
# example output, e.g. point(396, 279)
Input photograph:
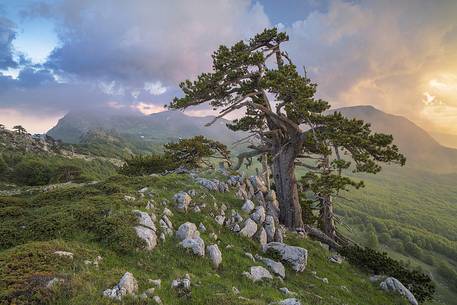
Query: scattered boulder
point(220, 219)
point(286, 291)
point(391, 284)
point(127, 285)
point(157, 283)
point(167, 212)
point(296, 257)
point(187, 230)
point(129, 198)
point(197, 245)
point(270, 227)
point(144, 219)
point(336, 258)
point(212, 185)
point(250, 256)
point(248, 206)
point(258, 273)
point(258, 184)
point(149, 205)
point(157, 299)
point(148, 235)
point(259, 215)
point(201, 227)
point(182, 200)
point(276, 267)
point(182, 285)
point(249, 229)
point(64, 254)
point(53, 282)
point(291, 301)
point(215, 255)
point(261, 236)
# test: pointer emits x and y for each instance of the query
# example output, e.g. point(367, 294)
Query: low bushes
point(375, 262)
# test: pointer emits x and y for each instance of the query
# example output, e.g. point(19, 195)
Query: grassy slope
point(95, 220)
point(419, 203)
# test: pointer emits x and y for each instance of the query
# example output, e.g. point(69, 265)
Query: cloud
point(155, 88)
point(380, 53)
point(7, 35)
point(115, 51)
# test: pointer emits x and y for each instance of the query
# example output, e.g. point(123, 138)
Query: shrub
point(147, 164)
point(373, 261)
point(32, 172)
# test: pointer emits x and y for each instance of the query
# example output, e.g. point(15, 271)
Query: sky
point(58, 56)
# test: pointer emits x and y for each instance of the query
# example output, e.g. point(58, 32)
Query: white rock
point(144, 219)
point(258, 184)
point(157, 299)
point(219, 219)
point(148, 235)
point(337, 259)
point(270, 227)
point(143, 190)
point(291, 301)
point(297, 257)
point(286, 291)
point(167, 221)
point(196, 244)
point(391, 284)
point(250, 256)
point(201, 227)
point(157, 283)
point(129, 198)
point(127, 285)
point(248, 206)
point(261, 236)
point(213, 235)
point(54, 282)
point(64, 254)
point(182, 200)
point(167, 212)
point(258, 273)
point(249, 229)
point(215, 255)
point(187, 230)
point(258, 215)
point(276, 267)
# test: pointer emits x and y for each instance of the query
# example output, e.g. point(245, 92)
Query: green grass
point(95, 220)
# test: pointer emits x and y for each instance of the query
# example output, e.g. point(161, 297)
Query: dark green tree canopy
point(193, 152)
point(279, 108)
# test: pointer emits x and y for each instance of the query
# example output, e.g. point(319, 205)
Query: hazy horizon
point(62, 55)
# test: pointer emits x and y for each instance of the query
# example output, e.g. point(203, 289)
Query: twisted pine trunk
point(326, 217)
point(283, 168)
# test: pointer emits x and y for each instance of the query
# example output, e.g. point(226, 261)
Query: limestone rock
point(270, 228)
point(258, 215)
point(215, 255)
point(220, 219)
point(187, 230)
point(391, 284)
point(291, 301)
point(182, 200)
point(148, 235)
point(201, 227)
point(258, 273)
point(197, 245)
point(248, 206)
point(144, 219)
point(261, 236)
point(296, 257)
point(156, 283)
point(167, 212)
point(249, 229)
point(127, 285)
point(64, 254)
point(276, 267)
point(129, 198)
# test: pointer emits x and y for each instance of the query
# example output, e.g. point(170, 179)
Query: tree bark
point(283, 165)
point(326, 217)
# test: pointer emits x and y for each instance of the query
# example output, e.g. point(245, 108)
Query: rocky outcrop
point(275, 267)
point(296, 257)
point(127, 285)
point(215, 255)
point(391, 284)
point(258, 273)
point(187, 230)
point(249, 228)
point(182, 200)
point(146, 230)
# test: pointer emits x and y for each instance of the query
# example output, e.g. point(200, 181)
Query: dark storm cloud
point(7, 35)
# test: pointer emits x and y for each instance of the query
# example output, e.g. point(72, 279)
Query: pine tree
point(243, 78)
